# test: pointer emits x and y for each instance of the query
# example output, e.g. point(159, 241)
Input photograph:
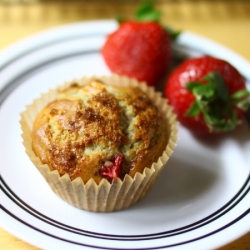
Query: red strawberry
point(141, 50)
point(111, 169)
point(208, 95)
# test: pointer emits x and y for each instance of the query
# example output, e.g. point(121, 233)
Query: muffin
point(100, 142)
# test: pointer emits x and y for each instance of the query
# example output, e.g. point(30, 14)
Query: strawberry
point(111, 169)
point(140, 48)
point(208, 95)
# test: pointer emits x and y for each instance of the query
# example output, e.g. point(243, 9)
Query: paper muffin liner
point(105, 196)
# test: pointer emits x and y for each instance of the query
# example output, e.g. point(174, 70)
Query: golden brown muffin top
point(89, 129)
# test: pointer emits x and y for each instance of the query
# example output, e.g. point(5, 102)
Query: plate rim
point(182, 41)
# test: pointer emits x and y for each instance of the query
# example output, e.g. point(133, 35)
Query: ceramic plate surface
point(201, 200)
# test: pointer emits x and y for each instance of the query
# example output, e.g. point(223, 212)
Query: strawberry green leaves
point(241, 99)
point(172, 33)
point(212, 99)
point(147, 12)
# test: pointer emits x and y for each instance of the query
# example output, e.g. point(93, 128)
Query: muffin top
point(99, 131)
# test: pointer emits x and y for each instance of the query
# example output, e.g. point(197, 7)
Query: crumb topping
point(89, 126)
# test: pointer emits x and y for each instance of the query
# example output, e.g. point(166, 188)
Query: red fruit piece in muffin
point(111, 169)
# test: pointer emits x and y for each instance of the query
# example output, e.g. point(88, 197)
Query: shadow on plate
point(180, 182)
point(241, 135)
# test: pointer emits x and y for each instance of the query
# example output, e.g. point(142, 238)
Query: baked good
point(100, 143)
point(89, 129)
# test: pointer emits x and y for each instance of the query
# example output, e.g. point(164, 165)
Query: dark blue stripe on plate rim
point(151, 248)
point(214, 216)
point(227, 207)
point(14, 83)
point(53, 40)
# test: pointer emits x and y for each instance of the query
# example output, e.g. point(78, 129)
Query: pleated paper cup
point(105, 196)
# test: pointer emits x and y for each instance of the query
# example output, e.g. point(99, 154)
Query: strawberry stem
point(146, 12)
point(212, 99)
point(172, 33)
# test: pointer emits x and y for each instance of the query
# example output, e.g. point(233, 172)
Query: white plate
point(201, 200)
